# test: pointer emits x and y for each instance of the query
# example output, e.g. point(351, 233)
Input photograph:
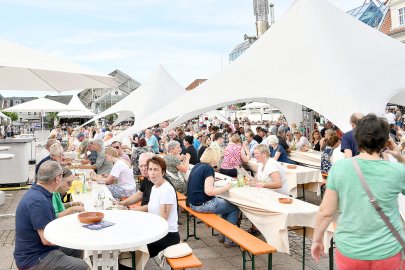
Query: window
point(401, 16)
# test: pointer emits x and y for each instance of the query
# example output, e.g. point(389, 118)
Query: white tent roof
point(22, 68)
point(316, 55)
point(2, 115)
point(40, 105)
point(159, 90)
point(256, 105)
point(398, 99)
point(82, 112)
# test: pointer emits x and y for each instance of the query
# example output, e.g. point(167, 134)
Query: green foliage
point(12, 115)
point(50, 117)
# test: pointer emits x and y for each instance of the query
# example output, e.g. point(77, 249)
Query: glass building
point(371, 13)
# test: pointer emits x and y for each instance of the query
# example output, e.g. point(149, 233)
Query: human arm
point(275, 181)
point(395, 151)
point(165, 210)
point(244, 153)
point(107, 179)
point(348, 153)
point(71, 210)
point(43, 239)
point(133, 198)
point(277, 154)
point(325, 215)
point(211, 190)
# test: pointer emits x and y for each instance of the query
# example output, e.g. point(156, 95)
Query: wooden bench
point(190, 261)
point(181, 197)
point(248, 243)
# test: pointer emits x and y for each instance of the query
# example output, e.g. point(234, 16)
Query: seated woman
point(176, 165)
point(201, 191)
point(120, 181)
point(205, 143)
point(270, 173)
point(63, 209)
point(162, 202)
point(301, 142)
point(234, 155)
point(277, 152)
point(316, 140)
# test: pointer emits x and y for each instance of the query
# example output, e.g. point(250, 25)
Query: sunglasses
point(295, 132)
point(116, 147)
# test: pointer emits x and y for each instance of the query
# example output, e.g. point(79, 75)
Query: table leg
point(133, 257)
point(303, 247)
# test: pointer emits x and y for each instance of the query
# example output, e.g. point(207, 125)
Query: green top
point(57, 203)
point(361, 233)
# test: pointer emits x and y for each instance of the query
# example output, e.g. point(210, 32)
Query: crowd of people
point(163, 161)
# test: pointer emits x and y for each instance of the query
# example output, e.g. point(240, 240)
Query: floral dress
point(325, 159)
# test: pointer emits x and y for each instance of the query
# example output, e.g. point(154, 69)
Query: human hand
point(252, 182)
point(105, 175)
point(395, 151)
point(77, 209)
point(317, 251)
point(188, 156)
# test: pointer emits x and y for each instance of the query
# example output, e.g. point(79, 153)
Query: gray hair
point(48, 171)
point(272, 139)
point(56, 150)
point(99, 142)
point(147, 155)
point(172, 144)
point(49, 143)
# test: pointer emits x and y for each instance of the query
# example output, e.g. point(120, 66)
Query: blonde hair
point(263, 149)
point(235, 138)
point(210, 155)
point(111, 151)
point(330, 131)
point(55, 150)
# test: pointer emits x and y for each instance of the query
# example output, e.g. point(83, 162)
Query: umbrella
point(41, 105)
point(22, 68)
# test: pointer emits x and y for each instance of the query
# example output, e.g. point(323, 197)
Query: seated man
point(102, 165)
point(63, 209)
point(118, 146)
point(32, 251)
point(145, 188)
point(55, 154)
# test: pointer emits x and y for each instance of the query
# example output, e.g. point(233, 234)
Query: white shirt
point(165, 194)
point(390, 118)
point(124, 175)
point(263, 174)
point(302, 142)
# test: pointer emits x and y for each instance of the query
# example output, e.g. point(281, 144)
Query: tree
point(51, 118)
point(13, 116)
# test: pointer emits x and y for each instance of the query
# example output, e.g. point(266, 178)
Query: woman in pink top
point(235, 153)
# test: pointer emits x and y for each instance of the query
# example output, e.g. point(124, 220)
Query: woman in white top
point(162, 202)
point(269, 171)
point(301, 142)
point(121, 180)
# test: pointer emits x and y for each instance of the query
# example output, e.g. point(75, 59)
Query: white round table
point(131, 229)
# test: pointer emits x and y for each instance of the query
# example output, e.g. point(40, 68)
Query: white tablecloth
point(262, 208)
point(311, 158)
point(132, 231)
point(70, 154)
point(299, 176)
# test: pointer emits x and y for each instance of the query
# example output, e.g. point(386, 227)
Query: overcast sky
point(190, 38)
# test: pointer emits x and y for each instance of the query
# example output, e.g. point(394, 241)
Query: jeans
point(227, 210)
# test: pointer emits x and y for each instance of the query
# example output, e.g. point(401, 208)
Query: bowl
point(285, 200)
point(291, 166)
point(90, 217)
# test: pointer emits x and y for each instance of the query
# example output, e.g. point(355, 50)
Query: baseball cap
point(80, 135)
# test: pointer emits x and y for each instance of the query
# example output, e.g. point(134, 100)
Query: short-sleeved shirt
point(252, 146)
point(172, 162)
point(360, 232)
point(146, 188)
point(302, 142)
point(283, 154)
point(40, 163)
point(124, 175)
point(263, 174)
point(232, 158)
point(283, 143)
point(165, 194)
point(348, 142)
point(196, 181)
point(57, 203)
point(193, 155)
point(153, 142)
point(33, 213)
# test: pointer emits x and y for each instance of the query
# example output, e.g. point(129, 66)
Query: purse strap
point(375, 204)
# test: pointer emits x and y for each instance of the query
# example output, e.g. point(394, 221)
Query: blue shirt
point(196, 181)
point(283, 154)
point(153, 142)
point(196, 144)
point(33, 213)
point(348, 142)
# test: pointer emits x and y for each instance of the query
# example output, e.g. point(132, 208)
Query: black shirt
point(193, 155)
point(146, 189)
point(283, 143)
point(196, 181)
point(201, 151)
point(257, 138)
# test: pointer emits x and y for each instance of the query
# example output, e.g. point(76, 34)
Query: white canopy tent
point(2, 115)
point(82, 111)
point(256, 105)
point(22, 68)
point(316, 55)
point(41, 105)
point(159, 90)
point(398, 99)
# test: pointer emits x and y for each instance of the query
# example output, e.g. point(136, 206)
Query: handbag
point(377, 207)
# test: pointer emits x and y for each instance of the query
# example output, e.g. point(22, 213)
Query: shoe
point(229, 244)
point(221, 239)
point(253, 232)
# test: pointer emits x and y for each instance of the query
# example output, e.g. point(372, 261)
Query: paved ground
point(213, 254)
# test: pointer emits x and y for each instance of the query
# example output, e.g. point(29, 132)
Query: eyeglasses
point(295, 132)
point(116, 147)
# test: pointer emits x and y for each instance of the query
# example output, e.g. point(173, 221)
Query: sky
point(190, 38)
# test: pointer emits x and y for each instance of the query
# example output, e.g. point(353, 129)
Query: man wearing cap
point(32, 250)
point(80, 137)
